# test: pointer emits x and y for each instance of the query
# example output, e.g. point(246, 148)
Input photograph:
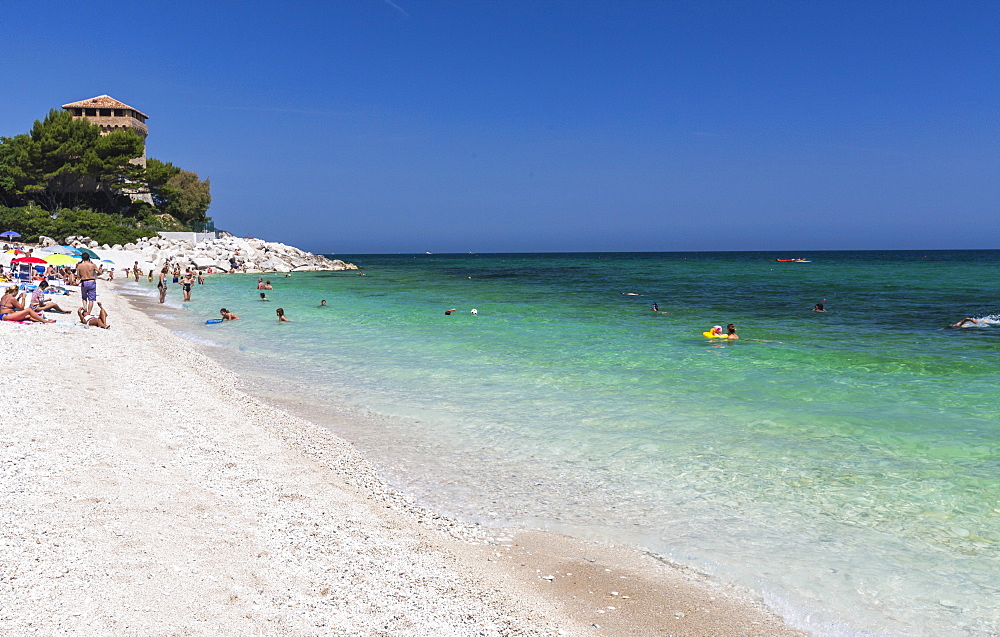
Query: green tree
point(177, 192)
point(65, 161)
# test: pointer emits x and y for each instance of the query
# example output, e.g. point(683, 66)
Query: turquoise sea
point(845, 465)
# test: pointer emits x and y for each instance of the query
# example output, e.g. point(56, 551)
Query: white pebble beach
point(146, 493)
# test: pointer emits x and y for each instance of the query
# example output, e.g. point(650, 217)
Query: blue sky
point(354, 126)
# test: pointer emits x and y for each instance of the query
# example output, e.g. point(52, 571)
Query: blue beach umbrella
point(62, 250)
point(10, 233)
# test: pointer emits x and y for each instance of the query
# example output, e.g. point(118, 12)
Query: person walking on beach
point(177, 273)
point(201, 279)
point(135, 271)
point(87, 272)
point(161, 285)
point(186, 283)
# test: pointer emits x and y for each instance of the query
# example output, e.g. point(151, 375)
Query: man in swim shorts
point(87, 272)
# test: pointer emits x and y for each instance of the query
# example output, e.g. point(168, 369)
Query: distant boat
point(790, 261)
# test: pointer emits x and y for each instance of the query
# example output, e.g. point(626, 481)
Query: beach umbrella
point(93, 255)
point(10, 233)
point(61, 250)
point(15, 251)
point(61, 259)
point(32, 260)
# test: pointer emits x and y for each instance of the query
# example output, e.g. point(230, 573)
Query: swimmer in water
point(262, 297)
point(731, 331)
point(819, 308)
point(448, 312)
point(227, 315)
point(655, 306)
point(281, 316)
point(966, 322)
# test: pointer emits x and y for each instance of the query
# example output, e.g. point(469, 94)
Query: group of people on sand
point(12, 303)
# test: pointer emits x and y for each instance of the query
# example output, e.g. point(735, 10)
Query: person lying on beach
point(99, 320)
point(966, 322)
point(227, 315)
point(12, 309)
point(281, 316)
point(39, 303)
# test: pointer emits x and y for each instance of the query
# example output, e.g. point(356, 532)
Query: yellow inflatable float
point(716, 332)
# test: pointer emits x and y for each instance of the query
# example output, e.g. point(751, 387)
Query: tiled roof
point(102, 101)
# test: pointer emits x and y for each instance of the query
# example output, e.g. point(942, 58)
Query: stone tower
point(110, 114)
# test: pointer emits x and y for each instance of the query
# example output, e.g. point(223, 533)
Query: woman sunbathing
point(99, 320)
point(40, 304)
point(11, 309)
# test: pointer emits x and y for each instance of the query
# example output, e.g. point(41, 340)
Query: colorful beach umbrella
point(93, 255)
point(32, 260)
point(61, 250)
point(61, 259)
point(15, 251)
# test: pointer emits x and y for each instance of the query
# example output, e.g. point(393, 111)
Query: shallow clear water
point(844, 464)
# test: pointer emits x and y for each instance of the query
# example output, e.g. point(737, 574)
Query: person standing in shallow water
point(186, 284)
point(162, 283)
point(281, 316)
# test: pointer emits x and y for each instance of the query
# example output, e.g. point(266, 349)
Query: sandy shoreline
point(146, 494)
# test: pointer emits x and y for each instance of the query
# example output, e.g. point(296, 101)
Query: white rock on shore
point(223, 253)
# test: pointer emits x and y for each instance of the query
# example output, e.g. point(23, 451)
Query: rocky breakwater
point(220, 254)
